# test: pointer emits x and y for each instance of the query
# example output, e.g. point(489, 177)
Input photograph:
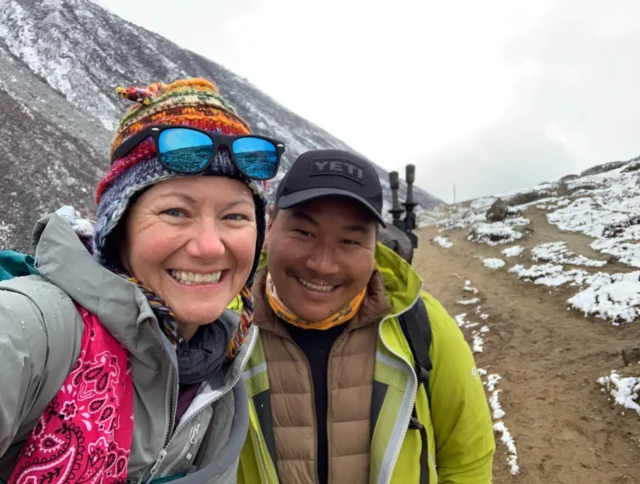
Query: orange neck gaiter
point(341, 317)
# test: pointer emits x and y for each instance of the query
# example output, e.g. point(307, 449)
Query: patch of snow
point(483, 204)
point(465, 302)
point(513, 251)
point(493, 263)
point(585, 215)
point(460, 321)
point(512, 452)
point(496, 233)
point(615, 297)
point(551, 275)
point(624, 391)
point(443, 242)
point(478, 341)
point(558, 253)
point(499, 427)
point(626, 252)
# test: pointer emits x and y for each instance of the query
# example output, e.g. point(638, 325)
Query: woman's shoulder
point(40, 340)
point(34, 292)
point(40, 315)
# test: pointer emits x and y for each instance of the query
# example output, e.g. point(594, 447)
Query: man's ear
point(269, 225)
point(272, 215)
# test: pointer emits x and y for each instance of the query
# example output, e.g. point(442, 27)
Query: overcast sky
point(492, 96)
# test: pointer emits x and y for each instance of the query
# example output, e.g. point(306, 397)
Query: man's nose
point(323, 261)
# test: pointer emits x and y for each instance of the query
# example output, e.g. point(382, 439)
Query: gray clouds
point(575, 80)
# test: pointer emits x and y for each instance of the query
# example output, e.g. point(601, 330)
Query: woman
point(123, 365)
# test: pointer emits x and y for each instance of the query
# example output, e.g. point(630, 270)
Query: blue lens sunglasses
point(189, 150)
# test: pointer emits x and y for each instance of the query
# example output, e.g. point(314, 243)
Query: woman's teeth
point(316, 287)
point(193, 278)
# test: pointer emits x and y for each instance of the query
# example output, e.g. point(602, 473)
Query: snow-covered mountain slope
point(61, 60)
point(551, 298)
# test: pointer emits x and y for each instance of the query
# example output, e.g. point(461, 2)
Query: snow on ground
point(443, 242)
point(497, 233)
point(625, 252)
point(492, 263)
point(558, 253)
point(608, 212)
point(499, 426)
point(490, 381)
point(467, 287)
point(623, 391)
point(513, 251)
point(615, 297)
point(604, 206)
point(552, 275)
point(552, 203)
point(466, 302)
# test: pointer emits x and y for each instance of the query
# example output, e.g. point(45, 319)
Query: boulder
point(498, 211)
point(631, 354)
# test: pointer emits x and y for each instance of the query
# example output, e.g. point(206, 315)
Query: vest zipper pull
point(194, 434)
point(156, 466)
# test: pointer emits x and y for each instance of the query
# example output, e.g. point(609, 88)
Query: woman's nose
point(206, 242)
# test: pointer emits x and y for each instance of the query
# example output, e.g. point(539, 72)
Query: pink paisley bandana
point(84, 435)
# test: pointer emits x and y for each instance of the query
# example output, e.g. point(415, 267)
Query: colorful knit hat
point(192, 102)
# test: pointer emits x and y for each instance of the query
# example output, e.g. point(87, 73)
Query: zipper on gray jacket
point(206, 404)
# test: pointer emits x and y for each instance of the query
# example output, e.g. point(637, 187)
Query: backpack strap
point(417, 330)
point(416, 327)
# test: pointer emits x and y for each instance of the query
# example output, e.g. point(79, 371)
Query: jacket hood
point(62, 259)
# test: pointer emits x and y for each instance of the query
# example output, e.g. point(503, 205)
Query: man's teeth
point(193, 278)
point(316, 287)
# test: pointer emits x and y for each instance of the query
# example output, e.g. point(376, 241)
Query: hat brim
point(302, 196)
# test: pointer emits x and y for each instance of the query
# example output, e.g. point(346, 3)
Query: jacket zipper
point(193, 438)
point(156, 466)
point(256, 443)
point(405, 427)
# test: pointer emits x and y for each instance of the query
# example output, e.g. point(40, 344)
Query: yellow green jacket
point(457, 420)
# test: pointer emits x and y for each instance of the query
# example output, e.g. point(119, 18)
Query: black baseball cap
point(323, 173)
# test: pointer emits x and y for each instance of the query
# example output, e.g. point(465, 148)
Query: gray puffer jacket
point(40, 335)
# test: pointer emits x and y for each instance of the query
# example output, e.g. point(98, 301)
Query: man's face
point(321, 255)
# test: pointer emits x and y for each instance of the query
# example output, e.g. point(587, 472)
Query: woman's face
point(192, 241)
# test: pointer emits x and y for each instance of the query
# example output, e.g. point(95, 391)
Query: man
point(335, 396)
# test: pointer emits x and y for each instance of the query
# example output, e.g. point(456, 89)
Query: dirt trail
point(549, 358)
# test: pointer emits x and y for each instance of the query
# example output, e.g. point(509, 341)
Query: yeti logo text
point(347, 169)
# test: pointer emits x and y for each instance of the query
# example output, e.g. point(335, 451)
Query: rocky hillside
point(545, 285)
point(61, 61)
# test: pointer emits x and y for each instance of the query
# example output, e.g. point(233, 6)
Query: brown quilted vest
point(350, 377)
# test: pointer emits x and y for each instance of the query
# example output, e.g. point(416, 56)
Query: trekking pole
point(396, 211)
point(409, 205)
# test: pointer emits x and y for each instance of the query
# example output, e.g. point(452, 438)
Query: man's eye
point(303, 232)
point(174, 212)
point(351, 242)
